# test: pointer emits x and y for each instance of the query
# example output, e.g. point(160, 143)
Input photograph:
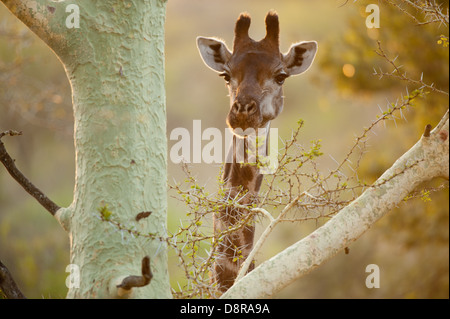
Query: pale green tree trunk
point(115, 65)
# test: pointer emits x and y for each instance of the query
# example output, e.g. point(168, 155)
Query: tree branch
point(10, 166)
point(431, 9)
point(7, 284)
point(138, 281)
point(46, 18)
point(398, 74)
point(426, 160)
point(273, 222)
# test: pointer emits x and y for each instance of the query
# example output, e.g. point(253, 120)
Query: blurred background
point(337, 98)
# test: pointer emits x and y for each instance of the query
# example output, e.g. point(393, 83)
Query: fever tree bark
point(115, 65)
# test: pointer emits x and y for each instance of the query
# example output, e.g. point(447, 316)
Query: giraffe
point(254, 72)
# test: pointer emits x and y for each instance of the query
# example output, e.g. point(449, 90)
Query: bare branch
point(43, 17)
point(273, 222)
point(10, 166)
point(428, 129)
point(431, 11)
point(7, 284)
point(430, 159)
point(398, 74)
point(442, 123)
point(138, 281)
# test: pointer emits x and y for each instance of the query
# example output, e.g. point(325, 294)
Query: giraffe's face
point(255, 72)
point(255, 81)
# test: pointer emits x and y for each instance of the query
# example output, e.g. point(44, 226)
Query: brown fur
point(254, 72)
point(251, 64)
point(241, 180)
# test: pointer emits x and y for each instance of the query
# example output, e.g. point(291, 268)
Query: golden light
point(349, 70)
point(57, 99)
point(373, 33)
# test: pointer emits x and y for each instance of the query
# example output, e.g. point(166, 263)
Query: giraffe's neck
point(243, 180)
point(241, 168)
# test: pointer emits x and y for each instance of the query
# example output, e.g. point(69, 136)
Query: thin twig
point(396, 73)
point(245, 266)
point(433, 12)
point(10, 166)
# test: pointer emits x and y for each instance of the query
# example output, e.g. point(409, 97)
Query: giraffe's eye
point(226, 77)
point(280, 78)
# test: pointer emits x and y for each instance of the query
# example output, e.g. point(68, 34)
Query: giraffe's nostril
point(246, 109)
point(251, 107)
point(237, 108)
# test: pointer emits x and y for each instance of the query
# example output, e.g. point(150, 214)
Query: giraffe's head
point(255, 71)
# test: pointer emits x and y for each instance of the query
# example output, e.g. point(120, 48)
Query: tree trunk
point(115, 64)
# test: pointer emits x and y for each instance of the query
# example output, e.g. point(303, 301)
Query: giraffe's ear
point(300, 57)
point(214, 52)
